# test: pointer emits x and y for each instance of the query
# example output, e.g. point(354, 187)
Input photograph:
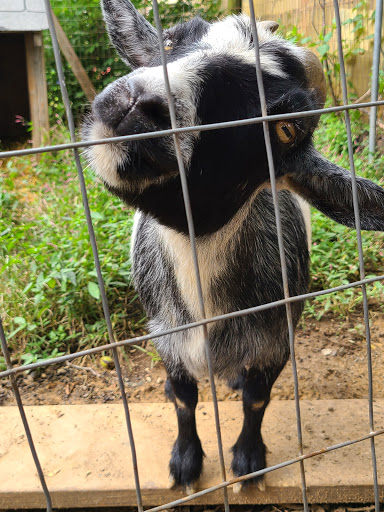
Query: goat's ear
point(133, 36)
point(269, 25)
point(328, 188)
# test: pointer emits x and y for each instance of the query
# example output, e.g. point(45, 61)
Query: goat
point(212, 77)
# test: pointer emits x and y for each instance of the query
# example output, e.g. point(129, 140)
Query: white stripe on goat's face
point(233, 36)
point(188, 66)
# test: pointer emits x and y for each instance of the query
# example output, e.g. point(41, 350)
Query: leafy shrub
point(84, 26)
point(334, 255)
point(47, 277)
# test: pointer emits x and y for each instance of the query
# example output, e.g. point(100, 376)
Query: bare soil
point(331, 359)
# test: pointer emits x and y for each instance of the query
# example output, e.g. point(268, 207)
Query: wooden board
point(309, 21)
point(85, 454)
point(37, 86)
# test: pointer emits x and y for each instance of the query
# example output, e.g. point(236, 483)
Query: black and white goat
point(212, 76)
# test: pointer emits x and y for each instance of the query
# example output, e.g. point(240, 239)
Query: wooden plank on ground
point(84, 451)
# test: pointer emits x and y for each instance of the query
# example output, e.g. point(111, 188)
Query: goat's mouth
point(151, 160)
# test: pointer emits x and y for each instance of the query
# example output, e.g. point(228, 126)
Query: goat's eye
point(168, 45)
point(286, 132)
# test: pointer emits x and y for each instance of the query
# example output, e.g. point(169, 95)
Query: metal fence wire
point(11, 371)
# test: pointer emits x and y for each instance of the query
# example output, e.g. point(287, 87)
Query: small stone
point(326, 351)
point(43, 375)
point(148, 378)
point(159, 380)
point(61, 371)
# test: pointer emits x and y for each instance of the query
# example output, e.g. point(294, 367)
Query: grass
point(334, 255)
point(48, 288)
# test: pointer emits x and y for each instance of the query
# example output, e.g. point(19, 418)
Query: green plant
point(326, 47)
point(381, 81)
point(334, 255)
point(48, 284)
point(84, 26)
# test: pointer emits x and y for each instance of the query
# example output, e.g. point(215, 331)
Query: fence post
point(375, 77)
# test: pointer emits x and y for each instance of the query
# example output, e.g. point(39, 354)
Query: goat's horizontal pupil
point(286, 132)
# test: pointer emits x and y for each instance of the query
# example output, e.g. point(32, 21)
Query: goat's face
point(212, 77)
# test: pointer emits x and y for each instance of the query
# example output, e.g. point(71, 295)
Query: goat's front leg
point(187, 455)
point(249, 450)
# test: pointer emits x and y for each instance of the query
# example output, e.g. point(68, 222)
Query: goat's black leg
point(187, 455)
point(249, 450)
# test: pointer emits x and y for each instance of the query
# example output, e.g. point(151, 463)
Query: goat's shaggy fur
point(212, 78)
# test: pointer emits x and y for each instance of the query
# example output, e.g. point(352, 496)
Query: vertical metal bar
point(100, 280)
point(375, 76)
point(191, 230)
point(360, 248)
point(284, 274)
point(28, 433)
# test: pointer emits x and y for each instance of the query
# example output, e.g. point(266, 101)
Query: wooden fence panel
point(310, 16)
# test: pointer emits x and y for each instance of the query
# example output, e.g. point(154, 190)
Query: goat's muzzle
point(127, 108)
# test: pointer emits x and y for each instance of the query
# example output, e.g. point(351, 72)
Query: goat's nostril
point(286, 132)
point(112, 105)
point(155, 108)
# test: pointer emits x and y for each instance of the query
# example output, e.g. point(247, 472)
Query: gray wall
point(22, 15)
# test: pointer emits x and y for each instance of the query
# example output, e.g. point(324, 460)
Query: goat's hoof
point(186, 464)
point(171, 482)
point(237, 487)
point(190, 489)
point(248, 459)
point(261, 485)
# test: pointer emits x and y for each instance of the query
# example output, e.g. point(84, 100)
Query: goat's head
point(212, 77)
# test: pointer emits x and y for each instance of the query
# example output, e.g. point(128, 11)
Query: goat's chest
point(212, 255)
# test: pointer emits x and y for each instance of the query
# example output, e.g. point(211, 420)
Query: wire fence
point(313, 20)
point(83, 23)
point(175, 131)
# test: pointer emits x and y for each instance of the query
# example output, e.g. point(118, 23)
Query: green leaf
point(97, 215)
point(71, 276)
point(27, 288)
point(323, 49)
point(20, 320)
point(94, 290)
point(51, 283)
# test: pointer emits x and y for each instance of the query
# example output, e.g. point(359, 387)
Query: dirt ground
point(331, 359)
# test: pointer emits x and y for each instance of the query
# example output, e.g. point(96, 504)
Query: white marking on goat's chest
point(178, 248)
point(214, 253)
